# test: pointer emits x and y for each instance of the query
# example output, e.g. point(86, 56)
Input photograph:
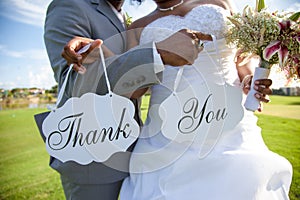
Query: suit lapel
point(106, 10)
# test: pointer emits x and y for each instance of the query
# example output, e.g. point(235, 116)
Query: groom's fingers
point(90, 48)
point(71, 48)
point(70, 51)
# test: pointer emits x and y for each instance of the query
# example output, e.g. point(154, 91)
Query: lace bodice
point(208, 19)
point(216, 61)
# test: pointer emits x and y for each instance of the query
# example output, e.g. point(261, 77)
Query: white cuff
point(158, 64)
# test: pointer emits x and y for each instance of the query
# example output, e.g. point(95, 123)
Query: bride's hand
point(262, 86)
point(182, 48)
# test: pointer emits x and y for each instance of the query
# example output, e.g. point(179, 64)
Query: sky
point(23, 59)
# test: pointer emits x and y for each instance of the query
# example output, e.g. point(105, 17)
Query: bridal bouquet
point(274, 37)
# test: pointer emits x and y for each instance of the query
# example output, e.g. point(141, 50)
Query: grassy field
point(25, 174)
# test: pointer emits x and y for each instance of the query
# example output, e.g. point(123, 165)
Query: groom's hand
point(80, 50)
point(182, 47)
point(71, 49)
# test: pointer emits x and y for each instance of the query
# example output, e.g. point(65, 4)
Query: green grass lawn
point(25, 174)
point(282, 135)
point(278, 104)
point(24, 170)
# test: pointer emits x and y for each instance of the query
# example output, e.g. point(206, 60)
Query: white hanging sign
point(200, 115)
point(90, 128)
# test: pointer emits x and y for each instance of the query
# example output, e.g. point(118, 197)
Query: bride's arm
point(245, 71)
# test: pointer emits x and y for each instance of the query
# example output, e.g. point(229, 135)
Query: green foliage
point(294, 17)
point(260, 4)
point(53, 90)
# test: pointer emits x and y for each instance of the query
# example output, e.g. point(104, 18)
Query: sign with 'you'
point(198, 116)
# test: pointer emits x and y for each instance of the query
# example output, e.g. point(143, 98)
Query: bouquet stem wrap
point(261, 72)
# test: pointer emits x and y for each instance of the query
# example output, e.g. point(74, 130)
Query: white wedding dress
point(198, 141)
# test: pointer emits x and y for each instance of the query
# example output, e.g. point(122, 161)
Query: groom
point(103, 19)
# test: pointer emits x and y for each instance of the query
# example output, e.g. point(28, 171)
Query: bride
point(198, 141)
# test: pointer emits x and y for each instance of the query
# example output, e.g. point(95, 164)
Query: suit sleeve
point(133, 70)
point(127, 72)
point(61, 25)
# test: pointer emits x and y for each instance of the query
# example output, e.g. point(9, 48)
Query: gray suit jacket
point(127, 72)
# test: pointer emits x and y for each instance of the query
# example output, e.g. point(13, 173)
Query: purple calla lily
point(283, 54)
point(284, 25)
point(276, 47)
point(271, 49)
